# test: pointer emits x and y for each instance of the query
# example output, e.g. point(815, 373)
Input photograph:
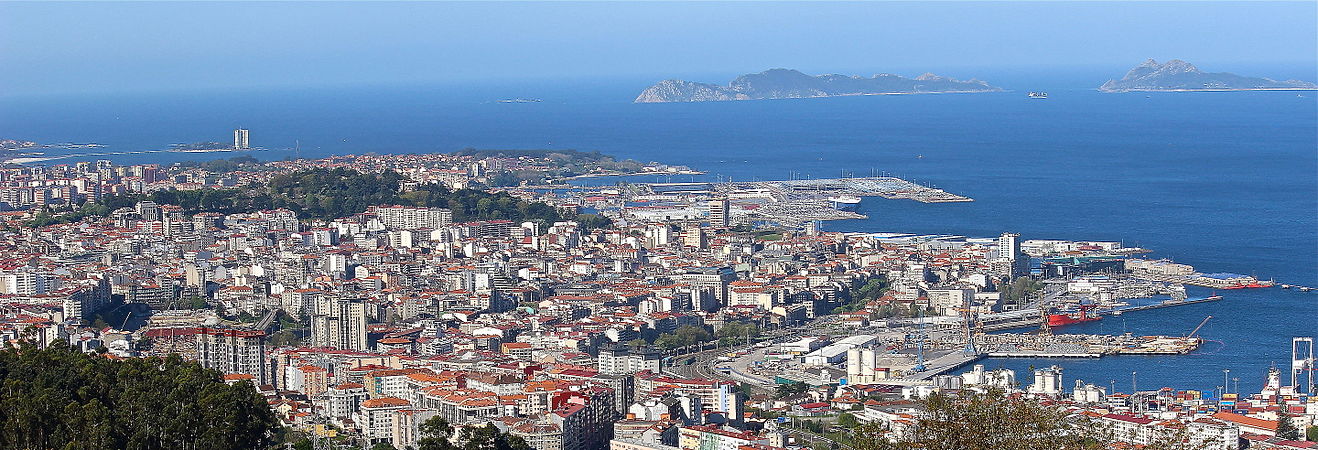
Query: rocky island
point(788, 83)
point(1177, 75)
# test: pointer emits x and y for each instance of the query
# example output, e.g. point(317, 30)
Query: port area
point(783, 202)
point(1209, 280)
point(821, 188)
point(1083, 345)
point(1031, 318)
point(1162, 304)
point(897, 353)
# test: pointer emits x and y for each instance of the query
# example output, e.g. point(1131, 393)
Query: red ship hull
point(1248, 286)
point(1056, 320)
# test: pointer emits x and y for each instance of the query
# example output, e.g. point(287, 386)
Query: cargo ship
point(1074, 317)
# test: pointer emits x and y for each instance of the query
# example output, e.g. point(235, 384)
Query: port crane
point(1196, 329)
point(1044, 327)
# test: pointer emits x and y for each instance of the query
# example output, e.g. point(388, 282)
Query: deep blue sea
point(1227, 182)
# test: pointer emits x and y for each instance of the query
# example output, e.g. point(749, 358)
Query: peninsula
point(788, 83)
point(1177, 75)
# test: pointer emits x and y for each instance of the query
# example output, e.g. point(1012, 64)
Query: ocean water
point(1227, 182)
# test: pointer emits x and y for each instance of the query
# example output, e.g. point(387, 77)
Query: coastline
point(634, 174)
point(859, 94)
point(38, 159)
point(1119, 91)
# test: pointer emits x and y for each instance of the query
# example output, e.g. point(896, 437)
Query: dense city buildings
point(652, 333)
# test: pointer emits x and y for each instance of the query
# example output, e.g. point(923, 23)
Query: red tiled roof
point(1247, 421)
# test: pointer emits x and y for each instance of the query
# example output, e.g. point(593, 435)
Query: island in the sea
point(788, 83)
point(1177, 75)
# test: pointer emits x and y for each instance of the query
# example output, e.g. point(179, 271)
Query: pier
point(1084, 345)
point(944, 364)
point(886, 187)
point(1209, 281)
point(784, 202)
point(1164, 304)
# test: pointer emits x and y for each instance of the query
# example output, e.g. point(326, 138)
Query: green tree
point(980, 421)
point(785, 390)
point(438, 434)
point(284, 338)
point(682, 337)
point(1286, 428)
point(1019, 289)
point(847, 420)
point(1311, 433)
point(992, 420)
point(859, 296)
point(195, 302)
point(590, 222)
point(332, 193)
point(737, 333)
point(59, 397)
point(383, 446)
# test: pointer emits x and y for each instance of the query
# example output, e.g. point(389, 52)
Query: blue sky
point(106, 46)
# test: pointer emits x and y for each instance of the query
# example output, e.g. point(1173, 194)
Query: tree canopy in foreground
point(440, 435)
point(991, 420)
point(59, 397)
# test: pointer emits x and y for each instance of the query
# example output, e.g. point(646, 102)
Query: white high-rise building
point(1009, 254)
point(412, 218)
point(240, 139)
point(1009, 247)
point(718, 213)
point(234, 351)
point(621, 359)
point(339, 323)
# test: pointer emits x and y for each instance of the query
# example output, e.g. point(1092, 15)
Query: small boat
point(1285, 286)
point(1037, 95)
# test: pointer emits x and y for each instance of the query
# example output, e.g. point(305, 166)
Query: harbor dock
point(1083, 345)
point(1164, 304)
point(795, 202)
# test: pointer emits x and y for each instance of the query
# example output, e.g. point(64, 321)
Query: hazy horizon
point(62, 48)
